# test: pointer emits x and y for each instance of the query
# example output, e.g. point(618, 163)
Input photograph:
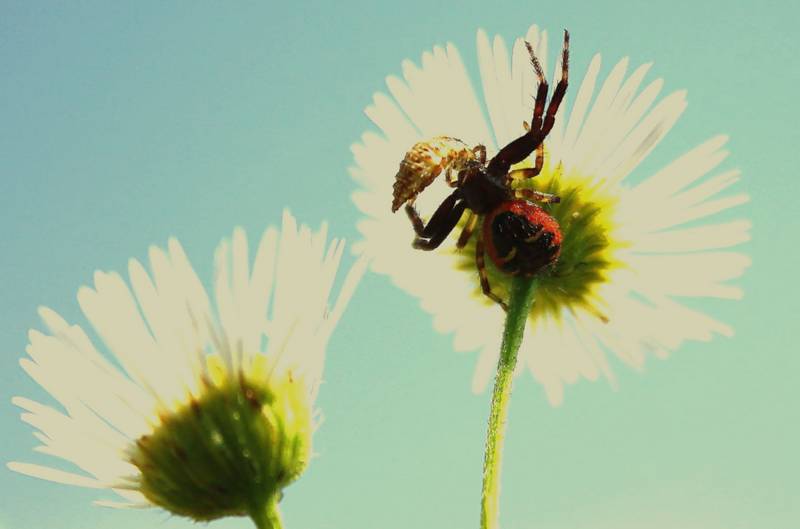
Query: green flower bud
point(232, 450)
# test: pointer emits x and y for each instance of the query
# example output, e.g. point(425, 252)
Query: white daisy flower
point(630, 250)
point(206, 408)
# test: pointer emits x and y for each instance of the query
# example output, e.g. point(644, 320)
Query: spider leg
point(416, 220)
point(530, 172)
point(438, 217)
point(538, 196)
point(560, 90)
point(522, 174)
point(485, 287)
point(466, 233)
point(541, 91)
point(514, 152)
point(480, 151)
point(522, 147)
point(439, 227)
point(539, 159)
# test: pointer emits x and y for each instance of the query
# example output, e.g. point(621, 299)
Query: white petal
point(695, 275)
point(115, 316)
point(585, 92)
point(645, 136)
point(121, 505)
point(685, 169)
point(708, 237)
point(591, 141)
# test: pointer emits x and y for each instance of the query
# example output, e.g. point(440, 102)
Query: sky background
point(123, 125)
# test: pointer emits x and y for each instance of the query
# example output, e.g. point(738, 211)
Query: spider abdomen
point(521, 238)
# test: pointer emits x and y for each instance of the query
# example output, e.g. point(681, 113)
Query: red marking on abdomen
point(522, 208)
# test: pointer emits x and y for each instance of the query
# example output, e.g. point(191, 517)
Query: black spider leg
point(542, 122)
point(466, 232)
point(530, 172)
point(480, 263)
point(560, 91)
point(444, 219)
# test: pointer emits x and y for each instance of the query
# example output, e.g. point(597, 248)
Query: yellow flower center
point(585, 216)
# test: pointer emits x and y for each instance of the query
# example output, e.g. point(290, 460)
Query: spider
point(519, 236)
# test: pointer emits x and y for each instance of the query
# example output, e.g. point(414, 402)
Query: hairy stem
point(519, 306)
point(267, 518)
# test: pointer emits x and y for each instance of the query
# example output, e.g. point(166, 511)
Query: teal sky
point(123, 125)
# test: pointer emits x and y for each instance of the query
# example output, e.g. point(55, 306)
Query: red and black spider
point(520, 237)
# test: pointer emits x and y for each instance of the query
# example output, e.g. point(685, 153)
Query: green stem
point(519, 306)
point(267, 518)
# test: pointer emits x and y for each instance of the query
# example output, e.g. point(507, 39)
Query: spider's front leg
point(542, 122)
point(444, 219)
point(560, 91)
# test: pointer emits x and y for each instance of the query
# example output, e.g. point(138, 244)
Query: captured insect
point(519, 236)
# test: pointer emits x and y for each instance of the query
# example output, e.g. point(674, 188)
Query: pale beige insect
point(428, 159)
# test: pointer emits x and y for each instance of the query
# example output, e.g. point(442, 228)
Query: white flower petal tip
point(121, 505)
point(657, 239)
point(209, 389)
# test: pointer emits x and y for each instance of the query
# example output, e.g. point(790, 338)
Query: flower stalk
point(519, 307)
point(269, 518)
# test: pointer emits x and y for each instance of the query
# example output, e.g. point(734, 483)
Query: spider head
point(472, 170)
